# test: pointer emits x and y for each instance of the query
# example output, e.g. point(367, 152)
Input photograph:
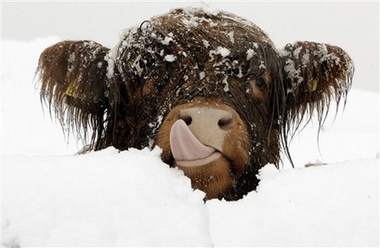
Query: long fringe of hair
point(74, 86)
point(315, 75)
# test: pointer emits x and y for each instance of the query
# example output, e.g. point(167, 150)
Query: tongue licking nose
point(185, 146)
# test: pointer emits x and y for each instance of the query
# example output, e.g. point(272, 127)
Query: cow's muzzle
point(208, 141)
point(197, 137)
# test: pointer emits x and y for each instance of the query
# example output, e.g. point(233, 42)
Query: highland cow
point(209, 88)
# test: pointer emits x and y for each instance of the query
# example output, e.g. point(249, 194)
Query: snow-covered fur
point(188, 57)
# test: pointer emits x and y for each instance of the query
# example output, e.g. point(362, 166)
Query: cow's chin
point(212, 174)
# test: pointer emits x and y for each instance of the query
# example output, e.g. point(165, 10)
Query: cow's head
point(210, 89)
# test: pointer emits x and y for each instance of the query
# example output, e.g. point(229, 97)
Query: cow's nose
point(209, 125)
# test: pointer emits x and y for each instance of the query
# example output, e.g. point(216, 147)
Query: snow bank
point(52, 198)
point(101, 199)
point(333, 205)
point(131, 198)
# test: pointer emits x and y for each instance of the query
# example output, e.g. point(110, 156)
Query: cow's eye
point(260, 82)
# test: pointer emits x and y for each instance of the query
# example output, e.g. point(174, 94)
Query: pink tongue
point(184, 145)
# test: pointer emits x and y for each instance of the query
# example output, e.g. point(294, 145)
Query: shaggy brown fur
point(127, 95)
point(73, 76)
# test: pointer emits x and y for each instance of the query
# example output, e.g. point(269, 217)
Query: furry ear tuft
point(74, 84)
point(315, 73)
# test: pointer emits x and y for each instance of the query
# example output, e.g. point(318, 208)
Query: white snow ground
point(52, 198)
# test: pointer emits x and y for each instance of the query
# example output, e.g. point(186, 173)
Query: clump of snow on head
point(190, 23)
point(223, 51)
point(226, 85)
point(170, 58)
point(191, 20)
point(250, 53)
point(293, 73)
point(291, 70)
point(110, 58)
point(325, 55)
point(202, 75)
point(206, 43)
point(71, 60)
point(231, 36)
point(168, 39)
point(203, 7)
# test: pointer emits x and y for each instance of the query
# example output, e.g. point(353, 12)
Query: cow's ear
point(314, 74)
point(73, 76)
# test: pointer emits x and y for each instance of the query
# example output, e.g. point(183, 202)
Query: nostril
point(187, 119)
point(225, 122)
